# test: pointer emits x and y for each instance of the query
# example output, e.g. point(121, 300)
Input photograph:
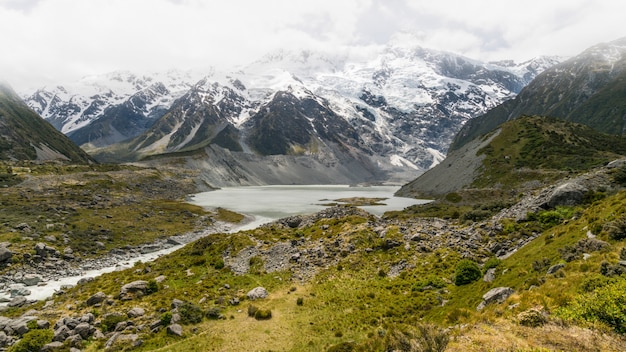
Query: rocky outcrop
point(495, 295)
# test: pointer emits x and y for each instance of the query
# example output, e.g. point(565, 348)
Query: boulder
point(495, 295)
point(139, 286)
point(31, 279)
point(16, 290)
point(17, 301)
point(84, 330)
point(554, 268)
point(5, 255)
point(96, 299)
point(175, 329)
point(257, 293)
point(176, 303)
point(136, 312)
point(490, 275)
point(52, 346)
point(568, 194)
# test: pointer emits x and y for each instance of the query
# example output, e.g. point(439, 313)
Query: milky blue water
point(269, 203)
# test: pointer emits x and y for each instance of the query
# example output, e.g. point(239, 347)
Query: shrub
point(214, 313)
point(532, 318)
point(606, 305)
point(166, 318)
point(33, 340)
point(300, 301)
point(152, 287)
point(190, 313)
point(491, 263)
point(466, 272)
point(219, 264)
point(616, 229)
point(263, 314)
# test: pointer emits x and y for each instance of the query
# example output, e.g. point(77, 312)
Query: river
point(261, 204)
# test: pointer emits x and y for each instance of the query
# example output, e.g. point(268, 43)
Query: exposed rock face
point(495, 295)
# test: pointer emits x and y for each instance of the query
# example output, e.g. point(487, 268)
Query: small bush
point(219, 264)
point(491, 263)
point(300, 301)
point(166, 318)
point(33, 340)
point(190, 313)
point(214, 313)
point(152, 287)
point(466, 272)
point(616, 229)
point(263, 314)
point(532, 318)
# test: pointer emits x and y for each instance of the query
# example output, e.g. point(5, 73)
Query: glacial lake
point(268, 203)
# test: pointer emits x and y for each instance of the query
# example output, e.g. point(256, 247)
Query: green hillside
point(22, 131)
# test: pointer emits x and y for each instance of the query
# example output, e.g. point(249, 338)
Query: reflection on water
point(268, 203)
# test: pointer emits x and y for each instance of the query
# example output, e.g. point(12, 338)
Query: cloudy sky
point(48, 41)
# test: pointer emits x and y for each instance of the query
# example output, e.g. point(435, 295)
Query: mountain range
point(386, 118)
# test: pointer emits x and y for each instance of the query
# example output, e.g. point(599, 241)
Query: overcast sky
point(46, 41)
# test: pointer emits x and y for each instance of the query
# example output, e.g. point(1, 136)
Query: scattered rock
point(490, 275)
point(532, 318)
point(136, 312)
point(177, 303)
point(553, 269)
point(16, 290)
point(52, 346)
point(175, 329)
point(96, 299)
point(5, 255)
point(137, 288)
point(257, 293)
point(31, 279)
point(495, 295)
point(17, 301)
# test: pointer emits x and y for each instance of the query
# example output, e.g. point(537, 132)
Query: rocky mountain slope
point(509, 159)
point(398, 109)
point(26, 136)
point(588, 88)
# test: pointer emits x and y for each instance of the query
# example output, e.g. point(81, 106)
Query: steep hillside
point(24, 135)
point(524, 153)
point(587, 89)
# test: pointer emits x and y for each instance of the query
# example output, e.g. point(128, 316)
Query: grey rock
point(96, 299)
point(31, 279)
point(61, 333)
point(136, 287)
point(495, 295)
point(5, 340)
point(74, 340)
point(5, 255)
point(85, 280)
point(136, 312)
point(17, 301)
point(52, 346)
point(176, 303)
point(570, 193)
point(490, 275)
point(16, 290)
point(20, 325)
point(84, 330)
point(554, 268)
point(175, 329)
point(43, 324)
point(257, 293)
point(87, 318)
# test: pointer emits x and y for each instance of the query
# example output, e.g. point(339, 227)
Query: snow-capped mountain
point(399, 108)
point(115, 100)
